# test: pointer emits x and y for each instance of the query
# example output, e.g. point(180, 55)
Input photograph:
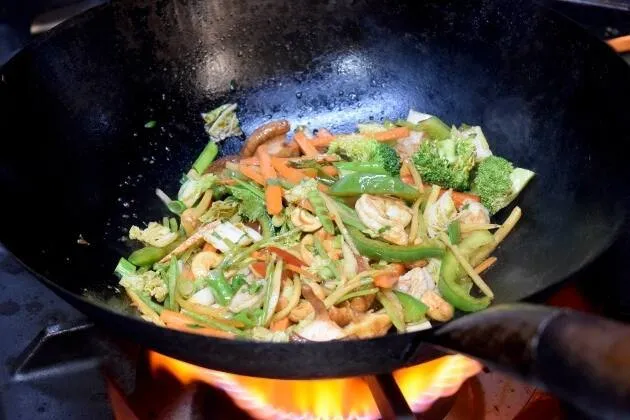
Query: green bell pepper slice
point(377, 184)
point(453, 285)
point(379, 250)
point(413, 309)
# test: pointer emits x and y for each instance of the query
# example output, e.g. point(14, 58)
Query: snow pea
point(377, 184)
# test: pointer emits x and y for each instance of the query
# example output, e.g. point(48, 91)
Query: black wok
point(76, 159)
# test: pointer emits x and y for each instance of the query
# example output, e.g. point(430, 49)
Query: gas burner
point(146, 384)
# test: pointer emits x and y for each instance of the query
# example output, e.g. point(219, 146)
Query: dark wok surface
point(76, 159)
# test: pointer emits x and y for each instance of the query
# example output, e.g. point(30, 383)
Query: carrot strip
point(391, 134)
point(460, 197)
point(280, 325)
point(210, 332)
point(301, 271)
point(323, 138)
point(250, 161)
point(330, 170)
point(273, 193)
point(408, 179)
point(285, 171)
point(252, 173)
point(388, 280)
point(309, 172)
point(305, 145)
point(172, 318)
point(487, 263)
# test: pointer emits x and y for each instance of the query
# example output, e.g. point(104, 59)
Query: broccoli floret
point(362, 149)
point(388, 158)
point(446, 163)
point(497, 182)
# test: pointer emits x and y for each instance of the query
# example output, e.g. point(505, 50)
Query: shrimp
point(473, 213)
point(203, 262)
point(407, 146)
point(387, 215)
point(416, 282)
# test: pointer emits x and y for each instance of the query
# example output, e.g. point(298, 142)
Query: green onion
point(124, 268)
point(321, 211)
point(165, 222)
point(147, 256)
point(220, 287)
point(272, 291)
point(150, 124)
point(206, 157)
point(207, 321)
point(237, 282)
point(249, 317)
point(171, 276)
point(176, 206)
point(454, 232)
point(172, 224)
point(265, 226)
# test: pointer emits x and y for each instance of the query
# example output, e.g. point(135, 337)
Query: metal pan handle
point(581, 358)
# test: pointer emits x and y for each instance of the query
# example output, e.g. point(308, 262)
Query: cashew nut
point(439, 309)
point(304, 220)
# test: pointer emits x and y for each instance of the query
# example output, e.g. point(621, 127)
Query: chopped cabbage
point(222, 122)
point(440, 214)
point(155, 234)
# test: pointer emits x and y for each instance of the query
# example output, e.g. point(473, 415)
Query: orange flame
point(328, 398)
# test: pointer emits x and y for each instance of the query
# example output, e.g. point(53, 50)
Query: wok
point(78, 162)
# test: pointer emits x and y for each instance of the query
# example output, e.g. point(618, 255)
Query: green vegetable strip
point(238, 282)
point(150, 303)
point(391, 312)
point(150, 124)
point(147, 256)
point(358, 293)
point(207, 321)
point(379, 250)
point(454, 232)
point(413, 309)
point(171, 276)
point(172, 224)
point(165, 221)
point(321, 211)
point(221, 289)
point(349, 215)
point(124, 268)
point(206, 157)
point(176, 206)
point(265, 225)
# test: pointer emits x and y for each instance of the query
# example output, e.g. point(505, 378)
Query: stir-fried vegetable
point(327, 236)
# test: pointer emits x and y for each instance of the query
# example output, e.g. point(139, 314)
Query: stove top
point(27, 307)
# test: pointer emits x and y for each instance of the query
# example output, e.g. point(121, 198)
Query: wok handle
point(581, 358)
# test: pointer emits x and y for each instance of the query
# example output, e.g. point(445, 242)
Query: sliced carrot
point(330, 170)
point(305, 145)
point(460, 197)
point(250, 161)
point(387, 280)
point(309, 172)
point(280, 325)
point(323, 138)
point(286, 256)
point(273, 193)
point(172, 318)
point(404, 171)
point(391, 134)
point(210, 332)
point(252, 173)
point(285, 171)
point(259, 268)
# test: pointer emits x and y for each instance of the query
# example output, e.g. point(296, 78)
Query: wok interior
point(78, 161)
